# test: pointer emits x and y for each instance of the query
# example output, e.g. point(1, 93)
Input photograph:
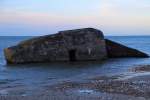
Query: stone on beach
point(85, 44)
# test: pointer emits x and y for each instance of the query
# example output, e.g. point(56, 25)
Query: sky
point(41, 17)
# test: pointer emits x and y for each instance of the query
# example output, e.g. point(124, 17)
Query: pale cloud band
point(115, 17)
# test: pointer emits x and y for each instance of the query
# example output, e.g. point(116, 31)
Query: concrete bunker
point(87, 44)
point(70, 45)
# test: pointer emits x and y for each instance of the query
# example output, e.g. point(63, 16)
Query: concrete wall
point(88, 44)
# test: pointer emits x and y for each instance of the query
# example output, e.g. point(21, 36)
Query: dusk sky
point(40, 17)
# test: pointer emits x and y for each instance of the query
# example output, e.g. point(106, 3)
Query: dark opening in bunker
point(72, 55)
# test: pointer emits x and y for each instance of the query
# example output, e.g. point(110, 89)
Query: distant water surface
point(32, 76)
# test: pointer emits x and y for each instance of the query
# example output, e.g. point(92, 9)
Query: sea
point(27, 78)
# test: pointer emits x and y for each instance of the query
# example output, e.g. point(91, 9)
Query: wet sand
point(134, 86)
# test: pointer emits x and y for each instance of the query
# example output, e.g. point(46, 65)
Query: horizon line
point(51, 34)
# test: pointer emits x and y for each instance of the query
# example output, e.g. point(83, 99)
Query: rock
point(115, 50)
point(72, 45)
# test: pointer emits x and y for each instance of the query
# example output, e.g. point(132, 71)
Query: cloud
point(127, 6)
point(112, 16)
point(118, 11)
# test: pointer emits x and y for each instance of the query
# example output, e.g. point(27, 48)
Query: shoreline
point(134, 87)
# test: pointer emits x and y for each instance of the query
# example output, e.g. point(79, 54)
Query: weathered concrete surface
point(115, 50)
point(71, 45)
